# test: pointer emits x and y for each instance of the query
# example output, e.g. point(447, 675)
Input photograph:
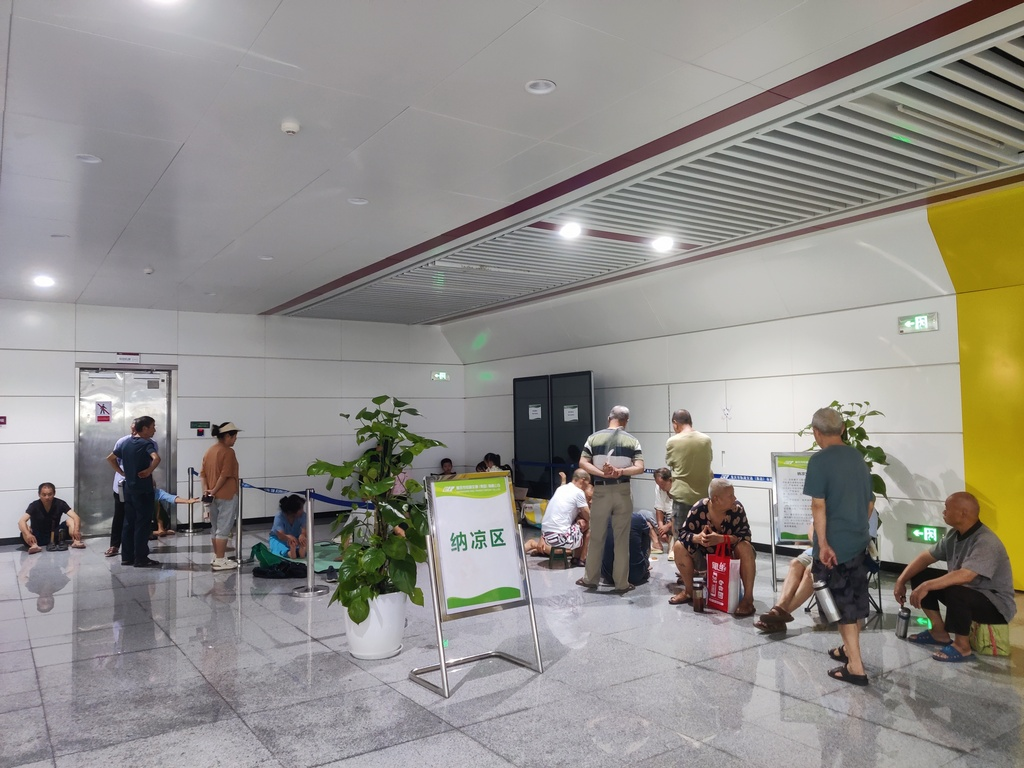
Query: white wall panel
point(30, 373)
point(923, 466)
point(227, 377)
point(405, 381)
point(390, 343)
point(299, 379)
point(37, 325)
point(647, 407)
point(489, 413)
point(251, 459)
point(25, 465)
point(760, 405)
point(737, 453)
point(438, 415)
point(304, 339)
point(292, 455)
point(617, 365)
point(37, 419)
point(246, 412)
point(221, 335)
point(704, 400)
point(304, 416)
point(110, 329)
point(912, 399)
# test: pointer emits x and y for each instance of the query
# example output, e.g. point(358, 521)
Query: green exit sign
point(925, 534)
point(919, 323)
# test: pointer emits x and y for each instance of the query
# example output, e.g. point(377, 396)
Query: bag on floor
point(723, 580)
point(990, 639)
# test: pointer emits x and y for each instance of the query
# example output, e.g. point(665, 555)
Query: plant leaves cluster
point(375, 558)
point(854, 415)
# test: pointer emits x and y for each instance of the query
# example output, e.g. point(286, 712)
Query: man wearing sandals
point(42, 526)
point(718, 519)
point(977, 587)
point(839, 485)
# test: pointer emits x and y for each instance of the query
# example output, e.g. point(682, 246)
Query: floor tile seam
point(482, 745)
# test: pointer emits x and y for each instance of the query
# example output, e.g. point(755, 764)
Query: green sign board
point(917, 323)
point(199, 425)
point(925, 534)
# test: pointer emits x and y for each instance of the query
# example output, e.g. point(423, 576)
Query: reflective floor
point(102, 665)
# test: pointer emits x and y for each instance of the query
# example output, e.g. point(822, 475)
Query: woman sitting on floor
point(288, 534)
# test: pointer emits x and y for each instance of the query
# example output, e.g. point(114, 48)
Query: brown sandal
point(776, 615)
point(681, 597)
point(581, 583)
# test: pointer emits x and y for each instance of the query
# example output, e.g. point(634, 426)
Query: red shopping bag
point(723, 580)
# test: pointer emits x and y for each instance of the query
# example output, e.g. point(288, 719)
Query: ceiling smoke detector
point(540, 87)
point(291, 127)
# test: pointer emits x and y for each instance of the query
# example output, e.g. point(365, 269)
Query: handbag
point(723, 580)
point(990, 639)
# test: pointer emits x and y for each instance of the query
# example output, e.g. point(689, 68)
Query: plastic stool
point(560, 553)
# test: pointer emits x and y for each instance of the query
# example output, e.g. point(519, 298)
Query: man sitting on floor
point(566, 521)
point(712, 521)
point(639, 551)
point(41, 525)
point(797, 587)
point(977, 587)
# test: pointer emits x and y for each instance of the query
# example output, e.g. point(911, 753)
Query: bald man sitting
point(977, 587)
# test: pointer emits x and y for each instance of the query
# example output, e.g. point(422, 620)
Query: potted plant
point(383, 537)
point(854, 415)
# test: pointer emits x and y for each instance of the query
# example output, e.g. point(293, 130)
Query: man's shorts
point(571, 539)
point(222, 517)
point(848, 583)
point(805, 558)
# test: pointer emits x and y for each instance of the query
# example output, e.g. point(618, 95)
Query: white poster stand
point(476, 562)
point(791, 510)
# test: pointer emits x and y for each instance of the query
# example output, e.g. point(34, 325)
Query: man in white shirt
point(662, 510)
point(566, 521)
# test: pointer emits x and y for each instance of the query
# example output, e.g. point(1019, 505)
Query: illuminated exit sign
point(925, 534)
point(919, 323)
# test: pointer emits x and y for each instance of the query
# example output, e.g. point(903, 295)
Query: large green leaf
point(396, 548)
point(358, 610)
point(417, 596)
point(403, 575)
point(372, 559)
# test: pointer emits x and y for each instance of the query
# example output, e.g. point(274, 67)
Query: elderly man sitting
point(977, 587)
point(711, 521)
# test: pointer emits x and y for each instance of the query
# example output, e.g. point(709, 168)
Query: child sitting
point(288, 534)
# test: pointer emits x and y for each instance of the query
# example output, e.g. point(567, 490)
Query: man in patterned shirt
point(611, 456)
point(712, 521)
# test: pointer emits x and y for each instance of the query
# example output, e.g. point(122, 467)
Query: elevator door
point(108, 400)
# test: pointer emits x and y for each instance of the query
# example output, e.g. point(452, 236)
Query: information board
point(792, 509)
point(478, 560)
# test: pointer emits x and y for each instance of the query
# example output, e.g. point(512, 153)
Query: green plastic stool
point(560, 553)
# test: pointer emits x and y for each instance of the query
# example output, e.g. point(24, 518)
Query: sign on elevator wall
point(104, 410)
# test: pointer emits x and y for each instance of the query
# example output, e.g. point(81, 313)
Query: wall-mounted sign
point(104, 410)
point(919, 323)
point(129, 357)
point(199, 425)
point(535, 412)
point(570, 413)
point(925, 534)
point(440, 376)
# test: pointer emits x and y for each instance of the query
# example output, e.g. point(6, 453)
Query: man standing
point(611, 456)
point(839, 485)
point(688, 455)
point(977, 587)
point(138, 457)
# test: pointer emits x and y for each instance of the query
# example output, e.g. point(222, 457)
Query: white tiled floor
point(181, 666)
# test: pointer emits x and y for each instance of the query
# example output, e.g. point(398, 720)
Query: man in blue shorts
point(839, 485)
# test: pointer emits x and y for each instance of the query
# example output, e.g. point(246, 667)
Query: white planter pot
point(380, 635)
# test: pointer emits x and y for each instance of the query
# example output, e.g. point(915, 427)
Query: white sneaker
point(223, 564)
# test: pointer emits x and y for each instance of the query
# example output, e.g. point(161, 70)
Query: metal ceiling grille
point(959, 122)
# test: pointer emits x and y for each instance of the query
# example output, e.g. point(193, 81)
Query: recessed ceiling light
point(59, 235)
point(210, 293)
point(663, 244)
point(44, 281)
point(88, 159)
point(540, 87)
point(358, 200)
point(266, 258)
point(570, 230)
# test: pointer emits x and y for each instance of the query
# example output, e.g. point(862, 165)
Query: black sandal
point(582, 583)
point(839, 654)
point(844, 674)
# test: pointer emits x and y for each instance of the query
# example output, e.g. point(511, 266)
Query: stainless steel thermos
point(903, 623)
point(826, 603)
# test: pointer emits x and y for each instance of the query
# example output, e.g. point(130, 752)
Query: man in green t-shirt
point(839, 485)
point(688, 455)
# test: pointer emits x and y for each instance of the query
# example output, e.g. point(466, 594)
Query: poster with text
point(792, 508)
point(480, 564)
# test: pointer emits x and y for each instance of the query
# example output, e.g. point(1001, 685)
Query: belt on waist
point(613, 481)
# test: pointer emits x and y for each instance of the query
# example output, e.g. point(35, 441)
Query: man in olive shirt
point(977, 587)
point(688, 455)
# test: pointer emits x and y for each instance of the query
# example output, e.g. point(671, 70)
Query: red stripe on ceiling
point(876, 53)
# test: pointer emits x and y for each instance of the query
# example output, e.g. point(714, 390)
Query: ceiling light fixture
point(44, 281)
point(210, 293)
point(56, 234)
point(266, 258)
point(358, 201)
point(540, 87)
point(88, 159)
point(939, 122)
point(570, 230)
point(663, 244)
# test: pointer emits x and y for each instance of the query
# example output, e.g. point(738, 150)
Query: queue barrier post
point(191, 494)
point(312, 589)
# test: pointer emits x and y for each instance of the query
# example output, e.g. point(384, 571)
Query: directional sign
point(919, 323)
point(925, 534)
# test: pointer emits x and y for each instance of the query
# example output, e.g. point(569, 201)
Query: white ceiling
point(415, 105)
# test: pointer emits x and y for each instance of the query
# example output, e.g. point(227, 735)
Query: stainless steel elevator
point(108, 400)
